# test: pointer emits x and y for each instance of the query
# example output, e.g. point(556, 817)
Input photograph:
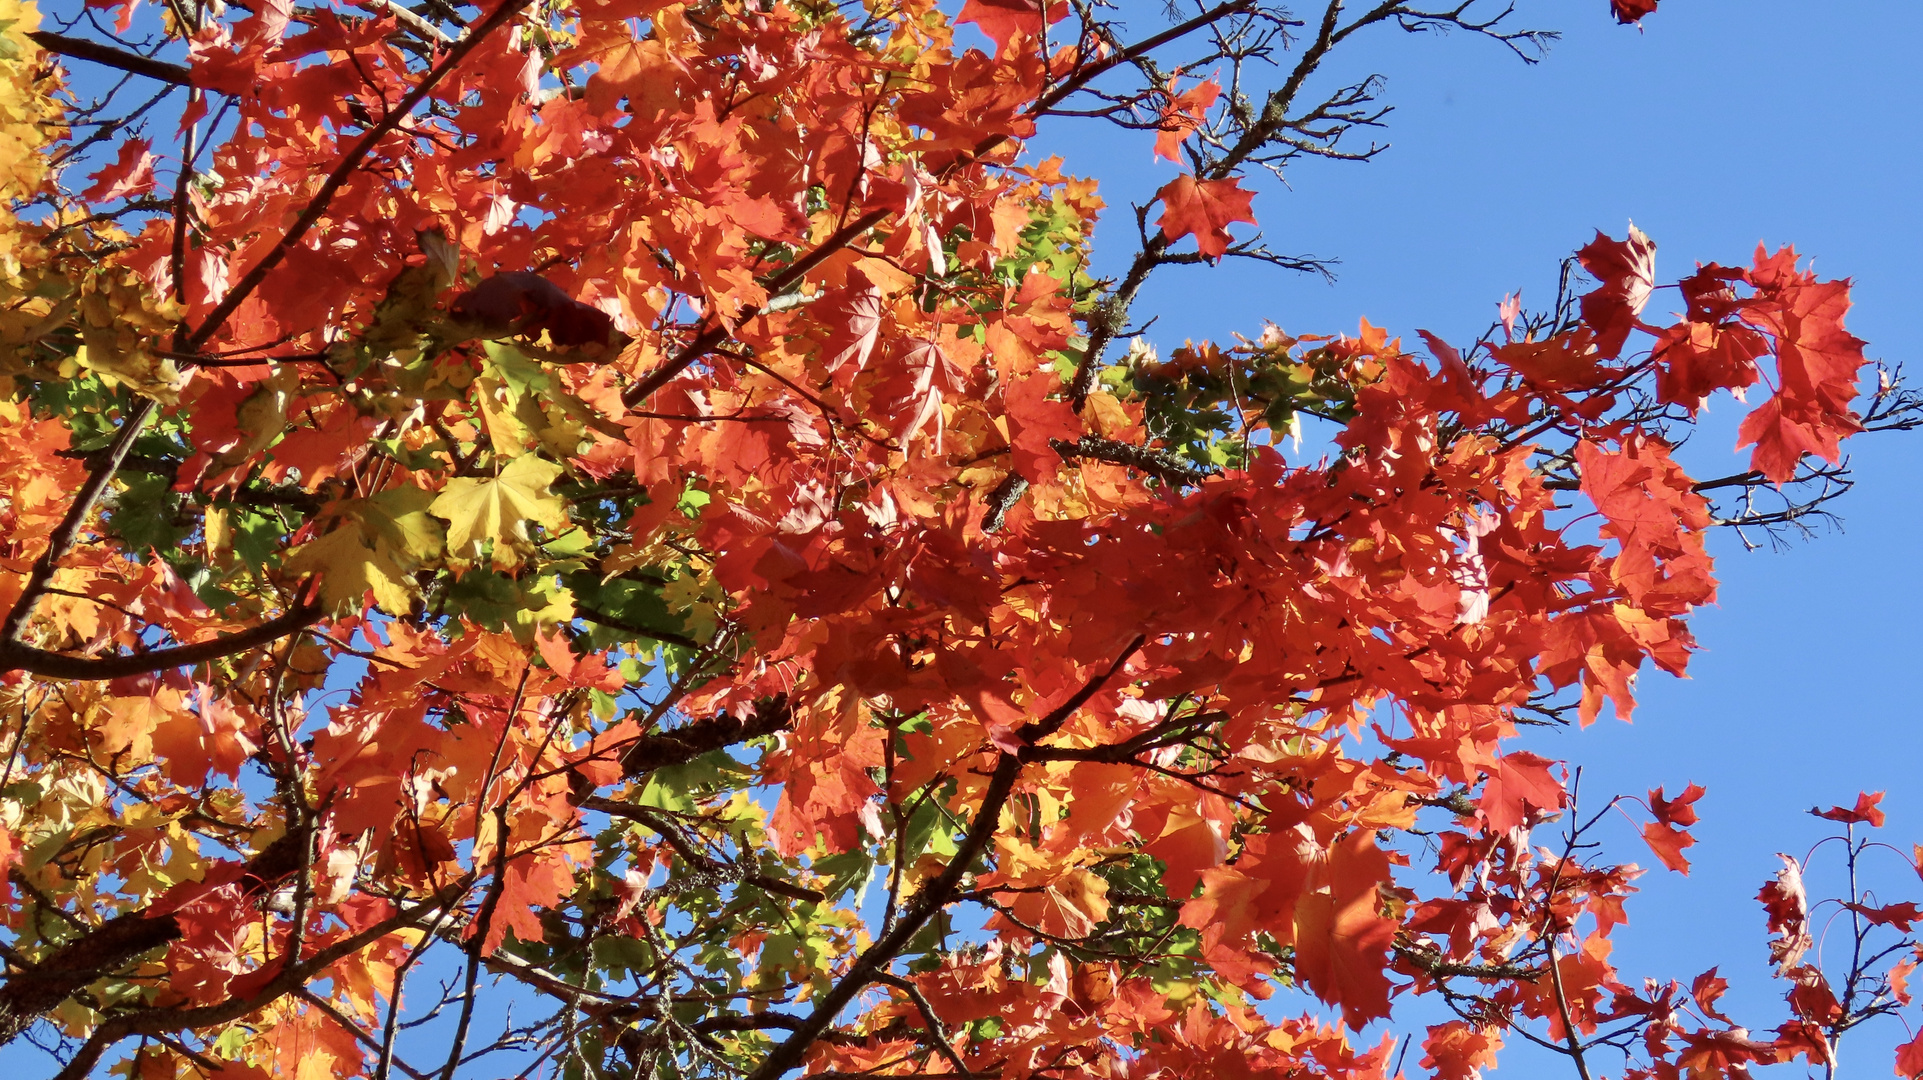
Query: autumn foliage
point(630, 509)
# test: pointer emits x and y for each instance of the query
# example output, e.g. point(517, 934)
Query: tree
point(640, 504)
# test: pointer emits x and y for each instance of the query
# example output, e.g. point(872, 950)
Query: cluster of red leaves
point(1787, 314)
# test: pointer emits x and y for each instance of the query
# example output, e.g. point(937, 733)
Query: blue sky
point(1719, 125)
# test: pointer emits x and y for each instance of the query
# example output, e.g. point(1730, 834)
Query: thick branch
point(30, 994)
point(1163, 466)
point(17, 657)
point(107, 55)
point(690, 741)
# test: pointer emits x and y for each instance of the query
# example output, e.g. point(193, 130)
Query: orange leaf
point(1668, 844)
point(1183, 114)
point(1001, 20)
point(1519, 783)
point(1341, 936)
point(1204, 208)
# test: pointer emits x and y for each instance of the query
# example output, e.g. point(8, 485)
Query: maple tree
point(631, 506)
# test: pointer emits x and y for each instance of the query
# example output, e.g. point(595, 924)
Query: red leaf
point(1035, 420)
point(1458, 1051)
point(1811, 997)
point(1865, 810)
point(1695, 359)
point(1707, 989)
point(1629, 11)
point(1627, 271)
point(1817, 362)
point(1723, 1053)
point(1681, 810)
point(1781, 440)
point(1897, 915)
point(1183, 114)
point(123, 9)
point(1909, 1057)
point(1900, 980)
point(1787, 907)
point(1003, 19)
point(1519, 783)
point(131, 174)
point(1340, 935)
point(1203, 207)
point(853, 316)
point(914, 392)
point(1668, 844)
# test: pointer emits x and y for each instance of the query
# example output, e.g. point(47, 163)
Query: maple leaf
point(1787, 906)
point(350, 568)
point(1627, 272)
point(853, 315)
point(377, 547)
point(1001, 20)
point(1900, 915)
point(1781, 439)
point(1697, 358)
point(923, 373)
point(490, 516)
point(1562, 362)
point(1459, 1050)
point(1679, 811)
point(1709, 1053)
point(1204, 208)
point(1630, 11)
point(1183, 113)
point(1866, 811)
point(1909, 1057)
point(1519, 784)
point(1071, 906)
point(1340, 933)
point(130, 174)
point(1707, 989)
point(1668, 844)
point(1818, 363)
point(1899, 977)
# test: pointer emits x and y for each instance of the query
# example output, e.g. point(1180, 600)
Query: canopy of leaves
point(629, 500)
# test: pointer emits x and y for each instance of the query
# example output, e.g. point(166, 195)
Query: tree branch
point(108, 56)
point(32, 993)
point(17, 657)
point(938, 892)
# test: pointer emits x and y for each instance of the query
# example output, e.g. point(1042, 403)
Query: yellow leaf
point(697, 601)
point(887, 277)
point(496, 512)
point(398, 519)
point(501, 410)
point(348, 568)
point(378, 545)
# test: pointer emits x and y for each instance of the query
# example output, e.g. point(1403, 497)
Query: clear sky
point(1722, 123)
